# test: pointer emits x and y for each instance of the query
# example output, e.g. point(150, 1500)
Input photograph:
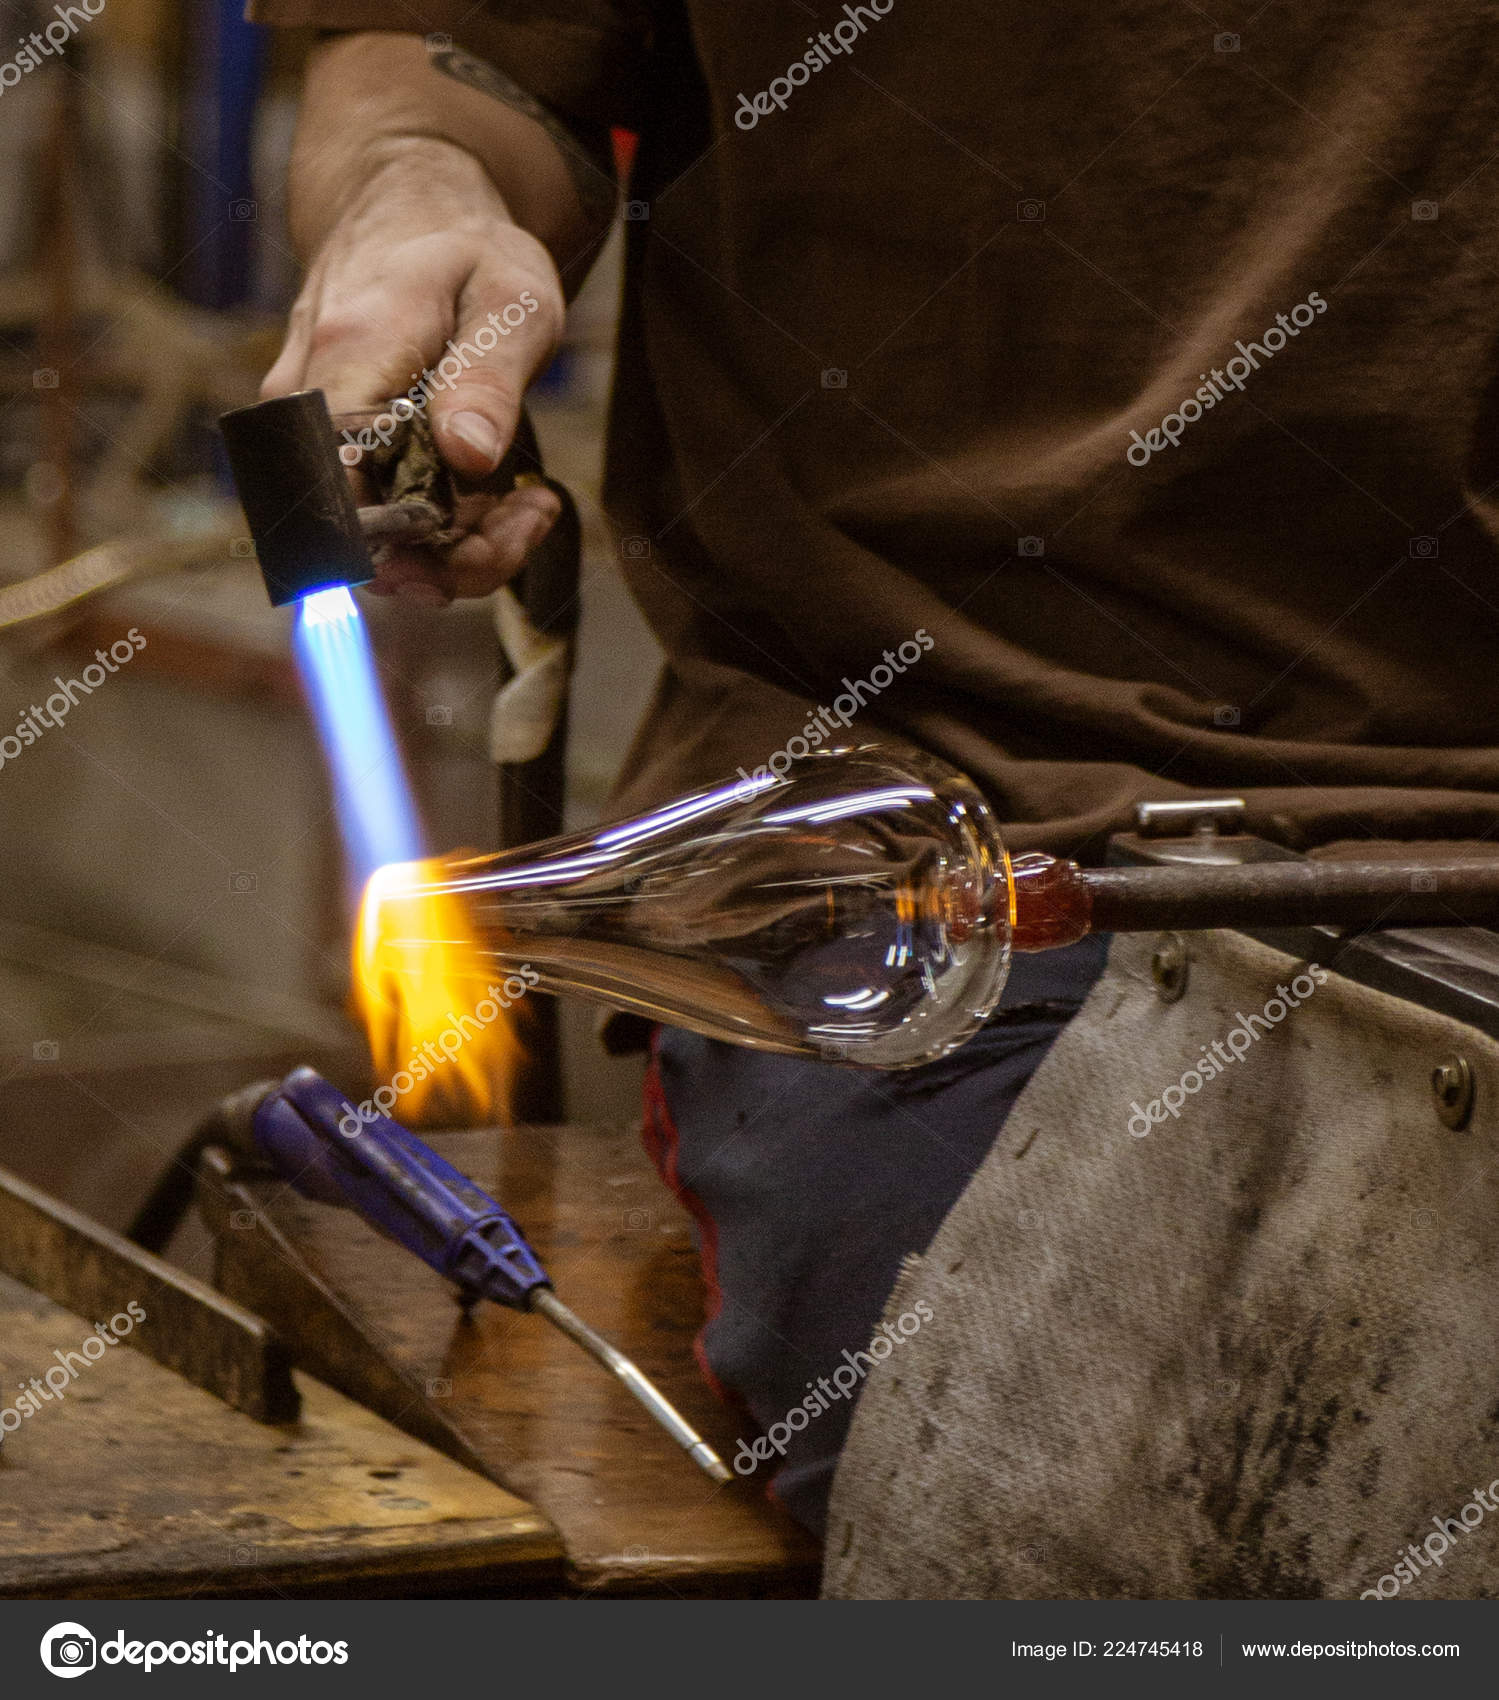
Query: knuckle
point(341, 329)
point(495, 382)
point(494, 394)
point(470, 554)
point(377, 315)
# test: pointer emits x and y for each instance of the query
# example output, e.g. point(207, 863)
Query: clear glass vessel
point(858, 908)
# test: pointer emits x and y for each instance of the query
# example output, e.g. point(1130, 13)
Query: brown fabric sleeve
point(584, 57)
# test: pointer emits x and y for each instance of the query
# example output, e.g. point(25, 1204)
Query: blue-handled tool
point(308, 1131)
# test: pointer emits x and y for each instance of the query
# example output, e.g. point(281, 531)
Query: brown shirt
point(889, 328)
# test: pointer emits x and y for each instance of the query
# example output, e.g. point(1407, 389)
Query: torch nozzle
point(310, 1133)
point(543, 1299)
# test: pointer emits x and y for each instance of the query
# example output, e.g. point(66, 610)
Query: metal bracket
point(1451, 970)
point(1203, 816)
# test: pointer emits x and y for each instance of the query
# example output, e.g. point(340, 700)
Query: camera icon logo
point(1424, 212)
point(1030, 546)
point(1028, 1218)
point(68, 1649)
point(439, 1387)
point(44, 378)
point(242, 883)
point(1423, 548)
point(243, 211)
point(834, 378)
point(242, 548)
point(439, 714)
point(1225, 43)
point(637, 211)
point(1030, 212)
point(635, 548)
point(1225, 715)
point(242, 1221)
point(637, 1221)
point(437, 42)
point(46, 1050)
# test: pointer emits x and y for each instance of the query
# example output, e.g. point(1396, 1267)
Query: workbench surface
point(136, 1484)
point(508, 1394)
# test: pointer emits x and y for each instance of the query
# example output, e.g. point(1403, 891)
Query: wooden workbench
point(507, 1394)
point(136, 1484)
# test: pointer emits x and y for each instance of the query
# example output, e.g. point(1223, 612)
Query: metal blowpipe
point(859, 908)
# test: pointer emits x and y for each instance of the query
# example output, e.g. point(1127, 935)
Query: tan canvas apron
point(1250, 1351)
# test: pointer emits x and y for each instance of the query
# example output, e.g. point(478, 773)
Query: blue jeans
point(809, 1184)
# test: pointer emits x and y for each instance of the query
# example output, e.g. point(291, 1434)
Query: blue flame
point(370, 788)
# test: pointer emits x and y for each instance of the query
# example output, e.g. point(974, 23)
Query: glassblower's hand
point(425, 288)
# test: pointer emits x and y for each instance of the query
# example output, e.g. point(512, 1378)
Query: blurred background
point(174, 917)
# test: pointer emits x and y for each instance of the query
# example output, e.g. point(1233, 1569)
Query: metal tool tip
point(708, 1460)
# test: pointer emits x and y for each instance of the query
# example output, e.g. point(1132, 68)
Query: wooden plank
point(134, 1484)
point(510, 1393)
point(186, 1326)
point(258, 1251)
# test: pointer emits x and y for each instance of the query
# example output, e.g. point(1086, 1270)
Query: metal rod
point(405, 521)
point(665, 1413)
point(1385, 894)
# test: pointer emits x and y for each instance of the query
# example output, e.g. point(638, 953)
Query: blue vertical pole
point(225, 61)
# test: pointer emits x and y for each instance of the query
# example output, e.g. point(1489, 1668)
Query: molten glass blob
point(439, 1038)
point(857, 908)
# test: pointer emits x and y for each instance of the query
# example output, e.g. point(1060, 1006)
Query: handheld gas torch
point(291, 474)
point(309, 1133)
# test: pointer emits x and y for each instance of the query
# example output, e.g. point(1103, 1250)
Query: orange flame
point(422, 987)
